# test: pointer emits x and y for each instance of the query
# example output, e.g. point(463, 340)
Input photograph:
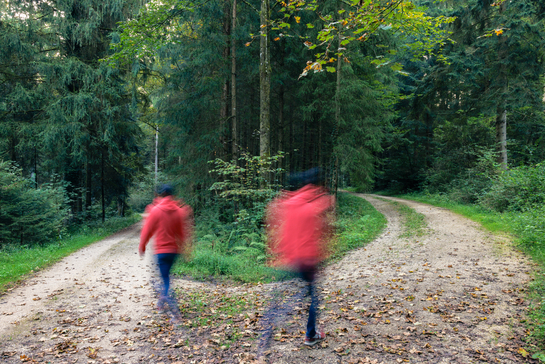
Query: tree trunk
point(35, 168)
point(335, 177)
point(234, 132)
point(224, 108)
point(501, 137)
point(88, 181)
point(102, 186)
point(264, 82)
point(156, 154)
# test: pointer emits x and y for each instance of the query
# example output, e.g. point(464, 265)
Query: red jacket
point(171, 223)
point(296, 227)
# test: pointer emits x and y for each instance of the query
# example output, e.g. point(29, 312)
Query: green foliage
point(249, 180)
point(518, 189)
point(29, 215)
point(64, 114)
point(471, 183)
point(228, 251)
point(448, 111)
point(142, 192)
point(358, 21)
point(358, 223)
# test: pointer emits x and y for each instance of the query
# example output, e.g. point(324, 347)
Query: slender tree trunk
point(223, 113)
point(335, 179)
point(501, 137)
point(78, 191)
point(156, 154)
point(224, 108)
point(35, 168)
point(88, 181)
point(264, 82)
point(234, 131)
point(291, 155)
point(102, 186)
point(320, 147)
point(12, 150)
point(501, 112)
point(304, 146)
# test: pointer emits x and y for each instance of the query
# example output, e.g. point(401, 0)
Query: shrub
point(28, 215)
point(517, 189)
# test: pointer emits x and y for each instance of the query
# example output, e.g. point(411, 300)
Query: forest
point(100, 101)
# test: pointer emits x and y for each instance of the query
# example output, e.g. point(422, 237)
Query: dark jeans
point(165, 262)
point(308, 275)
point(282, 304)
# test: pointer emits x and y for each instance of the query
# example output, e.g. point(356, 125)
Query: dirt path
point(84, 303)
point(455, 295)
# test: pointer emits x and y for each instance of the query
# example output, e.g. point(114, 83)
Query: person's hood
point(168, 204)
point(305, 194)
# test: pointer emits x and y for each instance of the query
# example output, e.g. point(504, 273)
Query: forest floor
point(454, 295)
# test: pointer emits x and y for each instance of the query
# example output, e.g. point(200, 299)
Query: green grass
point(414, 222)
point(17, 262)
point(358, 223)
point(491, 220)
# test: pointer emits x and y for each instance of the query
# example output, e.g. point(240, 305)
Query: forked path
point(454, 295)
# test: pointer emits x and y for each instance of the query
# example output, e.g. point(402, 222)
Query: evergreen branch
point(49, 50)
point(250, 5)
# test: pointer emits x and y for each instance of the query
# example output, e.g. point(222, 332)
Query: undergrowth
point(226, 253)
point(16, 261)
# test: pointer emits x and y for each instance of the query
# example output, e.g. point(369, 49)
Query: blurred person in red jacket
point(171, 222)
point(298, 228)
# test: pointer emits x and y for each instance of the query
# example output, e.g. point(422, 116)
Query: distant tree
point(79, 106)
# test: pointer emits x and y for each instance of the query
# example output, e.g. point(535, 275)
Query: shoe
point(318, 336)
point(161, 303)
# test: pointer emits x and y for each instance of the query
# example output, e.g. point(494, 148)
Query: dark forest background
point(102, 100)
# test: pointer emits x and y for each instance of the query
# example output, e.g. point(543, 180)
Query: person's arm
point(185, 231)
point(147, 232)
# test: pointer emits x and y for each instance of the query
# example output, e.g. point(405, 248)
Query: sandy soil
point(455, 295)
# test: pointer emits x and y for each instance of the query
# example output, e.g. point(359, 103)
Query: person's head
point(300, 179)
point(165, 190)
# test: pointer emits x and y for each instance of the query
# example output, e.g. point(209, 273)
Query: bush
point(29, 215)
point(237, 250)
point(518, 189)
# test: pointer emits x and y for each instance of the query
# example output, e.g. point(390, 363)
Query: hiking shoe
point(318, 336)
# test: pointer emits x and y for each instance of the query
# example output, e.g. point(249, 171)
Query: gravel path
point(455, 295)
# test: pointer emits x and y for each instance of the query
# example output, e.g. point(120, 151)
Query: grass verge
point(414, 222)
point(358, 223)
point(16, 262)
point(528, 232)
